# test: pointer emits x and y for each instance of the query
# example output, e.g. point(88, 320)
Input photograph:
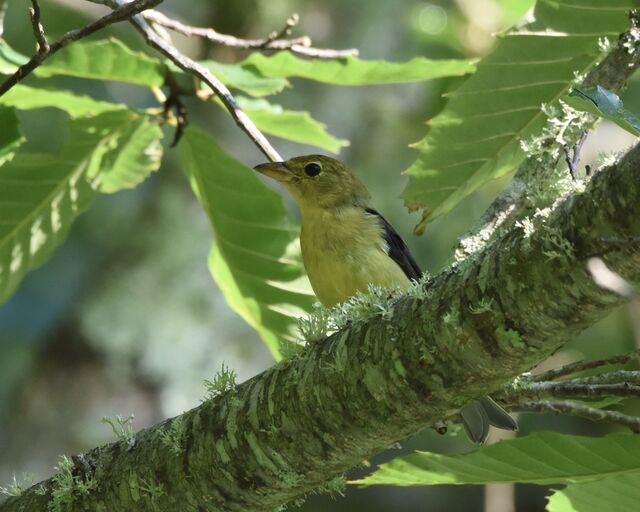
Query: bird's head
point(317, 181)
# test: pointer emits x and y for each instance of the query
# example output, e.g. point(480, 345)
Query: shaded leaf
point(107, 59)
point(355, 71)
point(542, 458)
point(246, 80)
point(290, 124)
point(10, 136)
point(612, 494)
point(24, 97)
point(256, 257)
point(606, 104)
point(477, 136)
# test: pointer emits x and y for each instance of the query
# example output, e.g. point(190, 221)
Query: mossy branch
point(467, 331)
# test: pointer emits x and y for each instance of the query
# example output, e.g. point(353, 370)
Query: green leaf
point(246, 80)
point(289, 124)
point(10, 59)
point(606, 104)
point(42, 194)
point(612, 494)
point(10, 136)
point(542, 458)
point(24, 97)
point(107, 59)
point(354, 71)
point(256, 257)
point(477, 136)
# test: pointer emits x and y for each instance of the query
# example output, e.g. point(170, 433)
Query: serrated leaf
point(477, 136)
point(542, 458)
point(10, 136)
point(606, 104)
point(290, 124)
point(256, 257)
point(612, 494)
point(24, 97)
point(42, 194)
point(355, 71)
point(246, 80)
point(135, 151)
point(107, 59)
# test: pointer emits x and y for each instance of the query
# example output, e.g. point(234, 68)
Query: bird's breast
point(344, 253)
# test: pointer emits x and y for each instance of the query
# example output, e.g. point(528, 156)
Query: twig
point(577, 409)
point(284, 32)
point(38, 29)
point(190, 66)
point(300, 45)
point(123, 12)
point(580, 366)
point(574, 160)
point(576, 389)
point(620, 376)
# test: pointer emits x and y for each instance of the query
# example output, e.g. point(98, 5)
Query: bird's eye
point(312, 169)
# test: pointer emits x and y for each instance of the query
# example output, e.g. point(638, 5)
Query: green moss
point(508, 338)
point(122, 427)
point(172, 438)
point(223, 381)
point(67, 488)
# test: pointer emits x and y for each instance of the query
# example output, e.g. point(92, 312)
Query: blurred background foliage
point(125, 317)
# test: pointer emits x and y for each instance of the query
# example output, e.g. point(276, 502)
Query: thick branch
point(467, 332)
point(123, 12)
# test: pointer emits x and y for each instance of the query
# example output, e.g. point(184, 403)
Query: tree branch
point(294, 427)
point(123, 12)
point(539, 178)
point(300, 45)
point(577, 409)
point(580, 366)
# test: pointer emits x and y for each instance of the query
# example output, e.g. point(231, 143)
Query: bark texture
point(468, 331)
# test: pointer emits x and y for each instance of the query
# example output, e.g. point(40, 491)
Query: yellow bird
point(347, 246)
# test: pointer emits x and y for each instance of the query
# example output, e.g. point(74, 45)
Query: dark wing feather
point(398, 250)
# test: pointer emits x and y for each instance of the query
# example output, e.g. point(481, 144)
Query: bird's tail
point(478, 416)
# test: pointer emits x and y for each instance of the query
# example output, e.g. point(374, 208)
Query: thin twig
point(123, 12)
point(573, 161)
point(576, 389)
point(38, 29)
point(577, 409)
point(619, 376)
point(190, 66)
point(299, 45)
point(284, 32)
point(580, 366)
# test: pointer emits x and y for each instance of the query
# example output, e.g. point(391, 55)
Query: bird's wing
point(398, 250)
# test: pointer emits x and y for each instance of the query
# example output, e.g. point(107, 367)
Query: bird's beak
point(276, 170)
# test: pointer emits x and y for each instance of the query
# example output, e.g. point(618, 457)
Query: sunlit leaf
point(606, 104)
point(10, 59)
point(135, 151)
point(107, 59)
point(246, 80)
point(42, 194)
point(541, 458)
point(355, 71)
point(10, 136)
point(290, 124)
point(24, 97)
point(476, 138)
point(256, 256)
point(612, 494)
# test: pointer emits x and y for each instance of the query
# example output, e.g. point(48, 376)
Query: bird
point(347, 246)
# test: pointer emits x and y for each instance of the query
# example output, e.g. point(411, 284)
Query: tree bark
point(467, 332)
